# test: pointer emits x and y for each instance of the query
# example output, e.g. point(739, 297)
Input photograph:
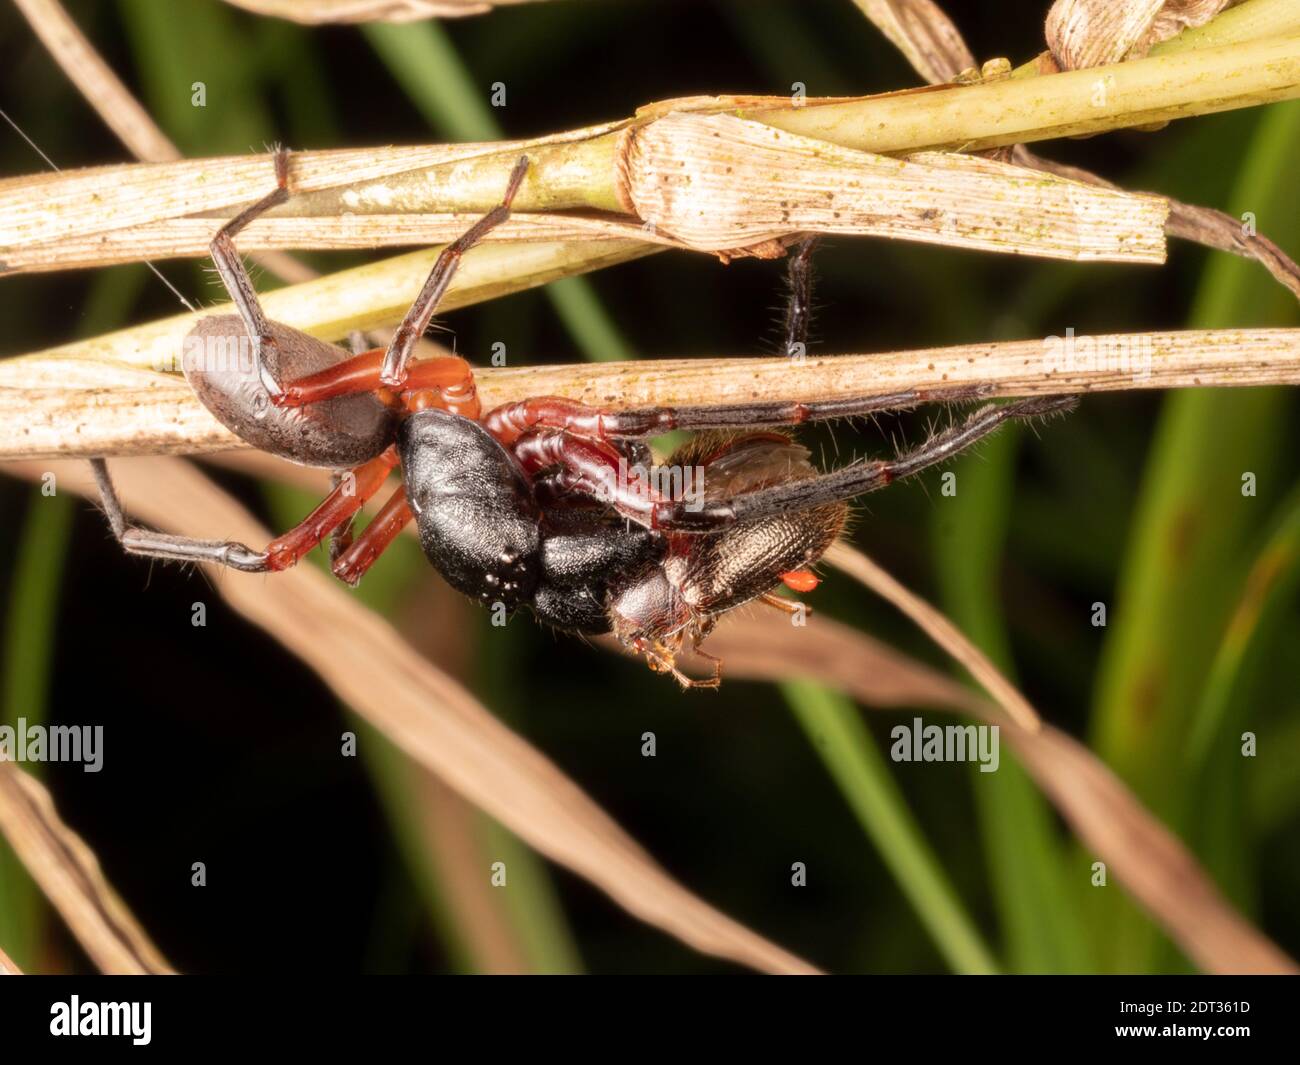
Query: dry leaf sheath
point(75, 401)
point(935, 48)
point(717, 182)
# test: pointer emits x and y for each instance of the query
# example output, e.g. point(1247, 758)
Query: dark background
point(222, 749)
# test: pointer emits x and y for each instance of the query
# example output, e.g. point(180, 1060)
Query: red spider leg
point(591, 467)
point(334, 510)
point(450, 377)
point(511, 420)
point(357, 374)
point(353, 563)
point(389, 368)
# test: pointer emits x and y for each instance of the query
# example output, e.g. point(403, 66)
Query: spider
point(545, 502)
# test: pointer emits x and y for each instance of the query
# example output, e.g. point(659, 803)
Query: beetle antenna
point(53, 166)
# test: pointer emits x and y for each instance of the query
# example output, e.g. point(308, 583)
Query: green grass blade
point(1273, 793)
point(1191, 531)
point(835, 729)
point(425, 63)
point(533, 904)
point(1266, 593)
point(179, 46)
point(1224, 828)
point(1025, 857)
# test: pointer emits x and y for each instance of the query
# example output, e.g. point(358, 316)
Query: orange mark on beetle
point(800, 580)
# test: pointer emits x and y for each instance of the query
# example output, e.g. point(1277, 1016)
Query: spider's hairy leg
point(137, 540)
point(234, 274)
point(394, 369)
point(510, 421)
point(335, 511)
point(845, 484)
point(449, 381)
point(351, 564)
point(798, 307)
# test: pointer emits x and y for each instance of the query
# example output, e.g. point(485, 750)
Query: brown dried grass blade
point(581, 169)
point(940, 629)
point(8, 967)
point(1125, 836)
point(80, 400)
point(753, 646)
point(121, 112)
point(1144, 856)
point(924, 34)
point(429, 716)
point(703, 181)
point(49, 207)
point(1202, 225)
point(69, 875)
point(95, 79)
point(192, 236)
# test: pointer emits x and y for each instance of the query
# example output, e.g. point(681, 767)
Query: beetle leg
point(786, 606)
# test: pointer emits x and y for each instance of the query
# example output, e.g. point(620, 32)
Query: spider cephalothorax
point(545, 503)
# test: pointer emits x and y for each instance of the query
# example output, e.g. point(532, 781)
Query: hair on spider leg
point(799, 305)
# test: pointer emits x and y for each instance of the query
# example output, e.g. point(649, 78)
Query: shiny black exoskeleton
point(483, 529)
point(582, 567)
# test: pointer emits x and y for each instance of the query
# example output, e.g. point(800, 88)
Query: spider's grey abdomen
point(334, 434)
point(474, 508)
